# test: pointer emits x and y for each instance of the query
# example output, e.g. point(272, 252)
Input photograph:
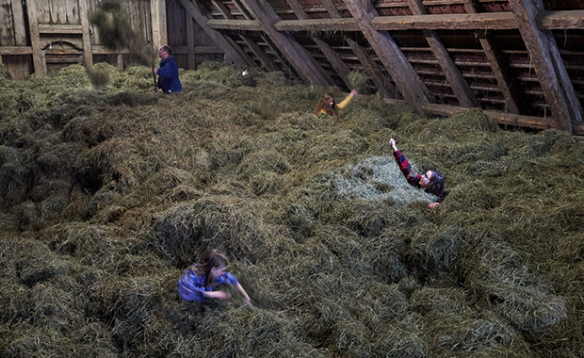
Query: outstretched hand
point(354, 93)
point(392, 144)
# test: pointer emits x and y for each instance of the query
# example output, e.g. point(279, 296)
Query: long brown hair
point(210, 258)
point(323, 104)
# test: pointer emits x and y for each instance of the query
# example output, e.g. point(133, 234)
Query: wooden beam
point(385, 88)
point(296, 55)
point(158, 14)
point(38, 56)
point(86, 34)
point(15, 50)
point(60, 29)
point(261, 55)
point(407, 80)
point(561, 20)
point(551, 20)
point(190, 44)
point(513, 100)
point(331, 8)
point(549, 66)
point(233, 53)
point(19, 28)
point(333, 58)
point(460, 87)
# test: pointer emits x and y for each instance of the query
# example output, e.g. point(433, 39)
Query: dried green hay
point(4, 74)
point(331, 146)
point(508, 286)
point(115, 31)
point(258, 161)
point(168, 178)
point(98, 78)
point(468, 120)
point(357, 79)
point(132, 99)
point(223, 222)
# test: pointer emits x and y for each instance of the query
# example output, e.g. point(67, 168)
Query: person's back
point(168, 80)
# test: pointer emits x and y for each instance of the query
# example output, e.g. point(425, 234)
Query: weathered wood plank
point(338, 65)
point(332, 10)
point(58, 9)
point(19, 21)
point(190, 45)
point(61, 29)
point(513, 98)
point(158, 13)
point(407, 80)
point(551, 20)
point(385, 88)
point(460, 87)
point(86, 37)
point(6, 27)
point(261, 55)
point(296, 55)
point(242, 25)
point(15, 50)
point(38, 55)
point(549, 66)
point(73, 12)
point(234, 53)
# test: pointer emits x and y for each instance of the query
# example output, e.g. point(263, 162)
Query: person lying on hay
point(199, 281)
point(168, 80)
point(432, 182)
point(327, 104)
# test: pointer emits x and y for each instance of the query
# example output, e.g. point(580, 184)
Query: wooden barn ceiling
point(521, 61)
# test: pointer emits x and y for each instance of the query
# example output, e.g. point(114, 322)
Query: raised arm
point(411, 176)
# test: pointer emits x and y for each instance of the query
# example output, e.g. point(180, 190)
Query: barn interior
point(109, 190)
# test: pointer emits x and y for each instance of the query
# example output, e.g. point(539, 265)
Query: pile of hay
point(108, 194)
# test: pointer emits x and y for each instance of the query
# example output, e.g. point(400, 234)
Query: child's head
point(212, 264)
point(327, 103)
point(436, 182)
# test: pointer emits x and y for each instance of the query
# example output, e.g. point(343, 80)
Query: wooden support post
point(261, 55)
point(460, 87)
point(120, 62)
point(190, 44)
point(87, 52)
point(385, 88)
point(232, 50)
point(407, 80)
point(158, 14)
point(19, 28)
point(549, 66)
point(339, 66)
point(513, 98)
point(38, 55)
point(296, 55)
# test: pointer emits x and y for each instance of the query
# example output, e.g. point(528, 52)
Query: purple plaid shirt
point(191, 286)
point(411, 176)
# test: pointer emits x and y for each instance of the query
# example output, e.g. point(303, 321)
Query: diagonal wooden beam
point(247, 16)
point(407, 80)
point(508, 87)
point(261, 55)
point(385, 88)
point(339, 66)
point(296, 55)
point(232, 50)
point(460, 87)
point(549, 66)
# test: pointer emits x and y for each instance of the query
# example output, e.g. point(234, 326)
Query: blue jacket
point(168, 79)
point(191, 286)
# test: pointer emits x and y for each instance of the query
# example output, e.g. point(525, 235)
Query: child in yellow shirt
point(327, 104)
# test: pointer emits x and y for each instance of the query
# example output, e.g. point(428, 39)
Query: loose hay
point(109, 193)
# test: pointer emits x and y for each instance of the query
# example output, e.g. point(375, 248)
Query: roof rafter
point(549, 66)
point(460, 87)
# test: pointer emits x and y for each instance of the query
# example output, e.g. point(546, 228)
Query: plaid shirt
point(411, 176)
point(191, 286)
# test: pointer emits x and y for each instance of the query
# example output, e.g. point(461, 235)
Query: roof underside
point(472, 46)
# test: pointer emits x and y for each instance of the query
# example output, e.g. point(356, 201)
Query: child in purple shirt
point(432, 182)
point(199, 281)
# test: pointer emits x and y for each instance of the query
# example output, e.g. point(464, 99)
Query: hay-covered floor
point(107, 194)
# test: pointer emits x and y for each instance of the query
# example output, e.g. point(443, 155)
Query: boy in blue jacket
point(167, 73)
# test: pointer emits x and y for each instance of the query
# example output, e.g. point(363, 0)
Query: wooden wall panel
point(177, 27)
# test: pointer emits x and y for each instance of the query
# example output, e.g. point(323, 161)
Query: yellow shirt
point(343, 104)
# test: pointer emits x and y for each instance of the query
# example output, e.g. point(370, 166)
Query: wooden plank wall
point(178, 32)
point(12, 36)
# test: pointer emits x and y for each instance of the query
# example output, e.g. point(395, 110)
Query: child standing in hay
point(432, 181)
point(327, 104)
point(199, 281)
